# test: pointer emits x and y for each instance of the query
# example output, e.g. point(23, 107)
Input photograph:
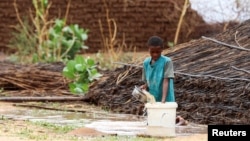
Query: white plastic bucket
point(161, 118)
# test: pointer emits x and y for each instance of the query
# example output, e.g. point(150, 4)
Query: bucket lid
point(161, 105)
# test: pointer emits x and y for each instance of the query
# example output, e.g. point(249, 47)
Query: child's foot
point(181, 121)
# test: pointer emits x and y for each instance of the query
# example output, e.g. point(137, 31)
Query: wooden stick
point(240, 69)
point(184, 9)
point(132, 65)
point(216, 77)
point(225, 44)
point(50, 108)
point(20, 99)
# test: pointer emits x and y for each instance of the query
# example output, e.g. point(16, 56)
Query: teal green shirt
point(153, 75)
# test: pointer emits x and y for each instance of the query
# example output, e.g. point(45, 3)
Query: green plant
point(54, 127)
point(64, 42)
point(46, 40)
point(81, 71)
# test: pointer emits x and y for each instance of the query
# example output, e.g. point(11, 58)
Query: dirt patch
point(18, 130)
point(87, 132)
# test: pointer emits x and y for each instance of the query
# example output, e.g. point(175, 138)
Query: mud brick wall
point(136, 20)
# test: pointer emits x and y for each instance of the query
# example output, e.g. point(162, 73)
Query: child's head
point(155, 47)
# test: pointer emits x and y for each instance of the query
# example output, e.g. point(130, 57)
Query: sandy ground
point(16, 130)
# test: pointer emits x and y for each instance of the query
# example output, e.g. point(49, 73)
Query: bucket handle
point(163, 115)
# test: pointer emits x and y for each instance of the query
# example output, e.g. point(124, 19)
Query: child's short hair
point(155, 41)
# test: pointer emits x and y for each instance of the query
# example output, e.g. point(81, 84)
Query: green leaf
point(79, 67)
point(71, 42)
point(82, 86)
point(77, 31)
point(93, 71)
point(78, 90)
point(84, 36)
point(72, 87)
point(79, 59)
point(59, 24)
point(77, 45)
point(68, 30)
point(83, 77)
point(95, 76)
point(69, 70)
point(65, 44)
point(68, 74)
point(85, 87)
point(90, 62)
point(71, 65)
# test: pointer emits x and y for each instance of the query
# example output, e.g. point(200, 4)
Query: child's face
point(155, 52)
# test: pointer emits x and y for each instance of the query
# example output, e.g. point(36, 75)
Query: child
point(158, 72)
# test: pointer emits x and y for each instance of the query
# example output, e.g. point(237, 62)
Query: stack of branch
point(37, 78)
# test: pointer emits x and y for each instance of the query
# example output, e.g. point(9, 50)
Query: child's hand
point(143, 86)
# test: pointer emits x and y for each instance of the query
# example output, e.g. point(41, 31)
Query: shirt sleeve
point(169, 70)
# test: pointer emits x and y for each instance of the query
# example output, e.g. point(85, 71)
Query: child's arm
point(145, 86)
point(164, 90)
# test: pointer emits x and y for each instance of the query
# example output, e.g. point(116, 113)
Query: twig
point(16, 82)
point(235, 38)
point(51, 108)
point(132, 65)
point(240, 69)
point(216, 77)
point(20, 20)
point(125, 76)
point(121, 77)
point(184, 9)
point(244, 91)
point(225, 44)
point(19, 99)
point(102, 34)
point(67, 11)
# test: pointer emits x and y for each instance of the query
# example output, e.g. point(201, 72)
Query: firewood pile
point(32, 80)
point(212, 80)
